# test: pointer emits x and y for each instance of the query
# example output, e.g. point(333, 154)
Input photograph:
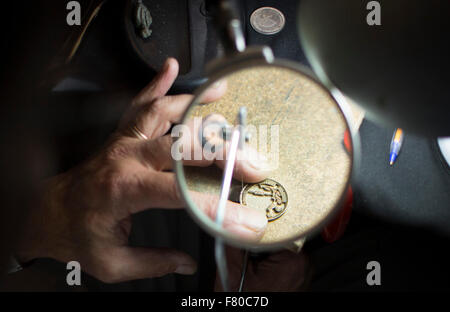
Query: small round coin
point(267, 20)
point(268, 195)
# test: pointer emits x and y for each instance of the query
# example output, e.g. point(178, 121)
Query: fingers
point(246, 222)
point(131, 263)
point(161, 152)
point(160, 190)
point(157, 88)
point(160, 85)
point(215, 92)
point(154, 112)
point(156, 118)
point(250, 166)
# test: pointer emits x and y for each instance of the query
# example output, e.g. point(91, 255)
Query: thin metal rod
point(244, 271)
point(242, 118)
point(83, 31)
point(224, 193)
point(221, 263)
point(227, 176)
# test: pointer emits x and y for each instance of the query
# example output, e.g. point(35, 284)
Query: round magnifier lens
point(298, 127)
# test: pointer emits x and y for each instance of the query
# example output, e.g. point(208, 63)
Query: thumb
point(137, 263)
point(246, 222)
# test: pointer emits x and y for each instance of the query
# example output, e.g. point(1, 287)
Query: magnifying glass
point(275, 108)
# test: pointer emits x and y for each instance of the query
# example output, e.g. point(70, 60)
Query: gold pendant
point(257, 195)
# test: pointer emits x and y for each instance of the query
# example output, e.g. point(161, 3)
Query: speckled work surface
point(313, 166)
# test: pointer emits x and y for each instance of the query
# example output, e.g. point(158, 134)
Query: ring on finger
point(138, 133)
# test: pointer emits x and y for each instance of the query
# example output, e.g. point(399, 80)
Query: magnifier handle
point(225, 15)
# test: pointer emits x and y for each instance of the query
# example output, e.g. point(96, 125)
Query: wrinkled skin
point(85, 214)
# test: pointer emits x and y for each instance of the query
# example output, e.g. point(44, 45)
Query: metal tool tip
point(391, 163)
point(242, 116)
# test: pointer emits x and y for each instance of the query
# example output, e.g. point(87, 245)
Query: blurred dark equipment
point(180, 29)
point(187, 31)
point(398, 71)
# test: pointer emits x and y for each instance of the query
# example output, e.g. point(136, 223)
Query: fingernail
point(253, 219)
point(259, 162)
point(166, 65)
point(186, 269)
point(217, 84)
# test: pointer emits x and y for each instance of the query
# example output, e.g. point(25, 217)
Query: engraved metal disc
point(267, 20)
point(269, 195)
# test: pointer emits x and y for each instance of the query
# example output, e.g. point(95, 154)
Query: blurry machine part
point(444, 147)
point(398, 71)
point(143, 20)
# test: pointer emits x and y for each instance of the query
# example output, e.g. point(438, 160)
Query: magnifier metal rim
point(207, 223)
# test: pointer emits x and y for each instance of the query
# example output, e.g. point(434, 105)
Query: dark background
point(401, 214)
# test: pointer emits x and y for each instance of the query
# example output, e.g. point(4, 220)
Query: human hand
point(85, 213)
